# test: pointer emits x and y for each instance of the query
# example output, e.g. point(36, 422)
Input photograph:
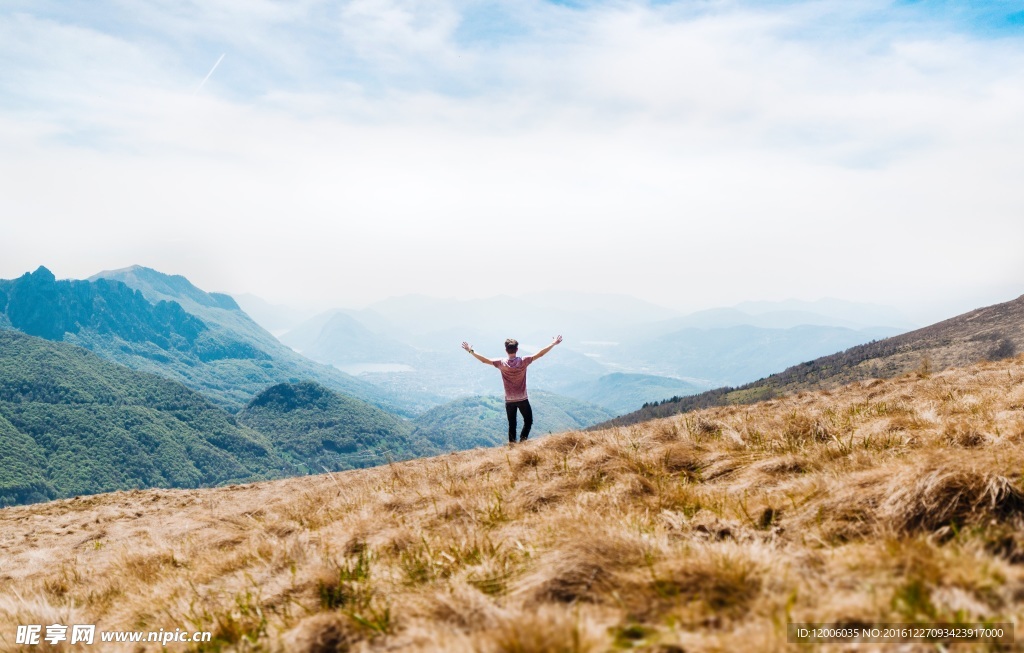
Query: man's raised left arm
point(554, 342)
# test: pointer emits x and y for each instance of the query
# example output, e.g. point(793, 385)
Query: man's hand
point(468, 347)
point(557, 340)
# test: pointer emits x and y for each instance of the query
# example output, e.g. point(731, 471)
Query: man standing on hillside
point(513, 375)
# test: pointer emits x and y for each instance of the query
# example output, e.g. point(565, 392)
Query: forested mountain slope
point(170, 328)
point(224, 317)
point(327, 431)
point(72, 423)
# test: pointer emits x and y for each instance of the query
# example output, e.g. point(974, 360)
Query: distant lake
point(375, 368)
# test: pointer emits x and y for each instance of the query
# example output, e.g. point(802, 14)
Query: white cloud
point(691, 158)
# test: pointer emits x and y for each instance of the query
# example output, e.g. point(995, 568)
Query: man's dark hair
point(511, 346)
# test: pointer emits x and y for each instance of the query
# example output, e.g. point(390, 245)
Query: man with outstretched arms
point(513, 375)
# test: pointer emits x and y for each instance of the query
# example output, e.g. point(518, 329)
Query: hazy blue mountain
point(343, 340)
point(72, 423)
point(621, 393)
point(275, 318)
point(839, 312)
point(739, 354)
point(325, 431)
point(724, 318)
point(783, 315)
point(481, 421)
point(304, 335)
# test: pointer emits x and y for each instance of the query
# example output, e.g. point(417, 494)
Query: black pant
point(524, 408)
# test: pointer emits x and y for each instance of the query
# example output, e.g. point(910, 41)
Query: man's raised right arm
point(483, 359)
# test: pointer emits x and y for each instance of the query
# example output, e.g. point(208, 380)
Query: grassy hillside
point(72, 423)
point(326, 431)
point(991, 333)
point(893, 500)
point(482, 422)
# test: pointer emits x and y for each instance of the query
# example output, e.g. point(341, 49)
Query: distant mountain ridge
point(736, 354)
point(990, 333)
point(344, 340)
point(856, 315)
point(275, 318)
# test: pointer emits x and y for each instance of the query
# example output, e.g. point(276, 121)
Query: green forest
point(326, 431)
point(73, 424)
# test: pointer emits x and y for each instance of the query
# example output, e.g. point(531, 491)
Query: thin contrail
point(220, 59)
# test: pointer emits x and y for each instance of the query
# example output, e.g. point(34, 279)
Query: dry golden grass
point(885, 501)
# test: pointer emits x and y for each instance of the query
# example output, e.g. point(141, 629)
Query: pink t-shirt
point(513, 375)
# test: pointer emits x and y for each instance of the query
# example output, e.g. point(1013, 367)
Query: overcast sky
point(694, 153)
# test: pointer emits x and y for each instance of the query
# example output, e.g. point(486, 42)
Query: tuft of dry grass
point(883, 501)
point(946, 495)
